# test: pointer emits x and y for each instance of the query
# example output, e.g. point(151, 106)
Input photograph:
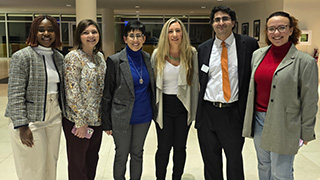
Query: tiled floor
point(307, 162)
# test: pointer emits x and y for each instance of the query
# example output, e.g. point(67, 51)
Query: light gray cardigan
point(188, 95)
point(292, 108)
point(27, 86)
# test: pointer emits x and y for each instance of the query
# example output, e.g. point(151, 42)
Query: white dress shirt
point(214, 90)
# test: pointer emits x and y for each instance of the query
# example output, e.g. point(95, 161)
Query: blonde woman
point(176, 71)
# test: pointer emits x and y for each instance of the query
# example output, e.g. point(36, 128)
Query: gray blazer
point(27, 86)
point(118, 96)
point(292, 108)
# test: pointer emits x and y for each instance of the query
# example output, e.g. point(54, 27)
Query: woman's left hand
point(81, 131)
point(305, 142)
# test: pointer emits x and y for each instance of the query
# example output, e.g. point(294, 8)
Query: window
point(18, 33)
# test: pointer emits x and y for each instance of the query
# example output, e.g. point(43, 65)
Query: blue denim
point(271, 166)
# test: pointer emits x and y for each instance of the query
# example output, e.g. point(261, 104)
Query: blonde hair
point(164, 47)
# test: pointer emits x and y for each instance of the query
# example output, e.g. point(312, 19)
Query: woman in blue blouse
point(128, 102)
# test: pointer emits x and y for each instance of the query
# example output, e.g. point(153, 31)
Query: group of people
point(230, 87)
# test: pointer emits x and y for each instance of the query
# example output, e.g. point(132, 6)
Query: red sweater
point(264, 74)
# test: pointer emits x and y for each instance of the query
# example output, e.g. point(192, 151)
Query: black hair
point(224, 9)
point(134, 25)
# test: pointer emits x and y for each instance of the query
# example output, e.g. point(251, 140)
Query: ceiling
point(120, 6)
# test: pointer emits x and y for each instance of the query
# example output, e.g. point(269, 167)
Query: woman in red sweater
point(282, 99)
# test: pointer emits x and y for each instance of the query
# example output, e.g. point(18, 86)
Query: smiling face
point(134, 39)
point(222, 27)
point(46, 34)
point(175, 34)
point(90, 37)
point(278, 38)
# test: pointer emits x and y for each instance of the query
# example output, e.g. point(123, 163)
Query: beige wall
point(306, 11)
point(257, 11)
point(308, 14)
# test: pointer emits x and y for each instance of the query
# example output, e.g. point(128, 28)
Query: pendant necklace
point(140, 74)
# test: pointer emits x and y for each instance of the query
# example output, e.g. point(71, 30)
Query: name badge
point(91, 65)
point(205, 68)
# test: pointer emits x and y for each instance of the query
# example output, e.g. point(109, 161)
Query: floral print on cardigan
point(84, 83)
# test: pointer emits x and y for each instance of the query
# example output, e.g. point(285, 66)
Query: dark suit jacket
point(118, 96)
point(245, 47)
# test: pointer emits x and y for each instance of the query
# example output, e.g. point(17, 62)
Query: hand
point(81, 131)
point(305, 142)
point(26, 136)
point(109, 132)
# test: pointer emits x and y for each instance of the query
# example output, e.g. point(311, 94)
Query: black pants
point(82, 153)
point(221, 129)
point(174, 134)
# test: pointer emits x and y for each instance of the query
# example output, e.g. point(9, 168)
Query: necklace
point(175, 59)
point(140, 74)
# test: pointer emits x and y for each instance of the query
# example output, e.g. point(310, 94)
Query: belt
point(223, 105)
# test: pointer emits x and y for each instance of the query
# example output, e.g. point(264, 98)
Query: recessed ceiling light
point(203, 7)
point(68, 5)
point(137, 7)
point(219, 0)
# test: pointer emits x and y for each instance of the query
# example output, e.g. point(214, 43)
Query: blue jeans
point(271, 166)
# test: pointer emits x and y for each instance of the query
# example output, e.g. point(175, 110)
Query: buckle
point(223, 105)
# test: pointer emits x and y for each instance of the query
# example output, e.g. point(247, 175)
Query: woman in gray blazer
point(36, 101)
point(282, 100)
point(128, 102)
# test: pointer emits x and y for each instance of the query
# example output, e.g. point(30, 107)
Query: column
point(86, 9)
point(108, 32)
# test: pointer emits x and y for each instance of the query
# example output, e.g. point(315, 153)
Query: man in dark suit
point(224, 74)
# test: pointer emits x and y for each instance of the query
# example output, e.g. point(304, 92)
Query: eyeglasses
point(50, 30)
point(224, 19)
point(138, 36)
point(281, 29)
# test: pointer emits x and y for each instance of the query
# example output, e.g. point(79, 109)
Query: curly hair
point(224, 9)
point(294, 38)
point(32, 39)
point(164, 47)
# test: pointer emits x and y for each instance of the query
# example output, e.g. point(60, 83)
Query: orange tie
point(225, 74)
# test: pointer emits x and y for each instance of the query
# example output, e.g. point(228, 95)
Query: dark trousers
point(82, 153)
point(221, 129)
point(174, 134)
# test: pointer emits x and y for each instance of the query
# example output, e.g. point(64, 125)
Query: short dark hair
point(82, 25)
point(224, 9)
point(134, 25)
point(32, 38)
point(293, 22)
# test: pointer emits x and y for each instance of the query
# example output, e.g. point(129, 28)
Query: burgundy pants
point(82, 153)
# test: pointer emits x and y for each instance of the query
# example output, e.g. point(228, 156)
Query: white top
point(214, 90)
point(52, 74)
point(170, 79)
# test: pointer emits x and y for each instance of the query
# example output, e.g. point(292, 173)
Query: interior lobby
point(111, 16)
